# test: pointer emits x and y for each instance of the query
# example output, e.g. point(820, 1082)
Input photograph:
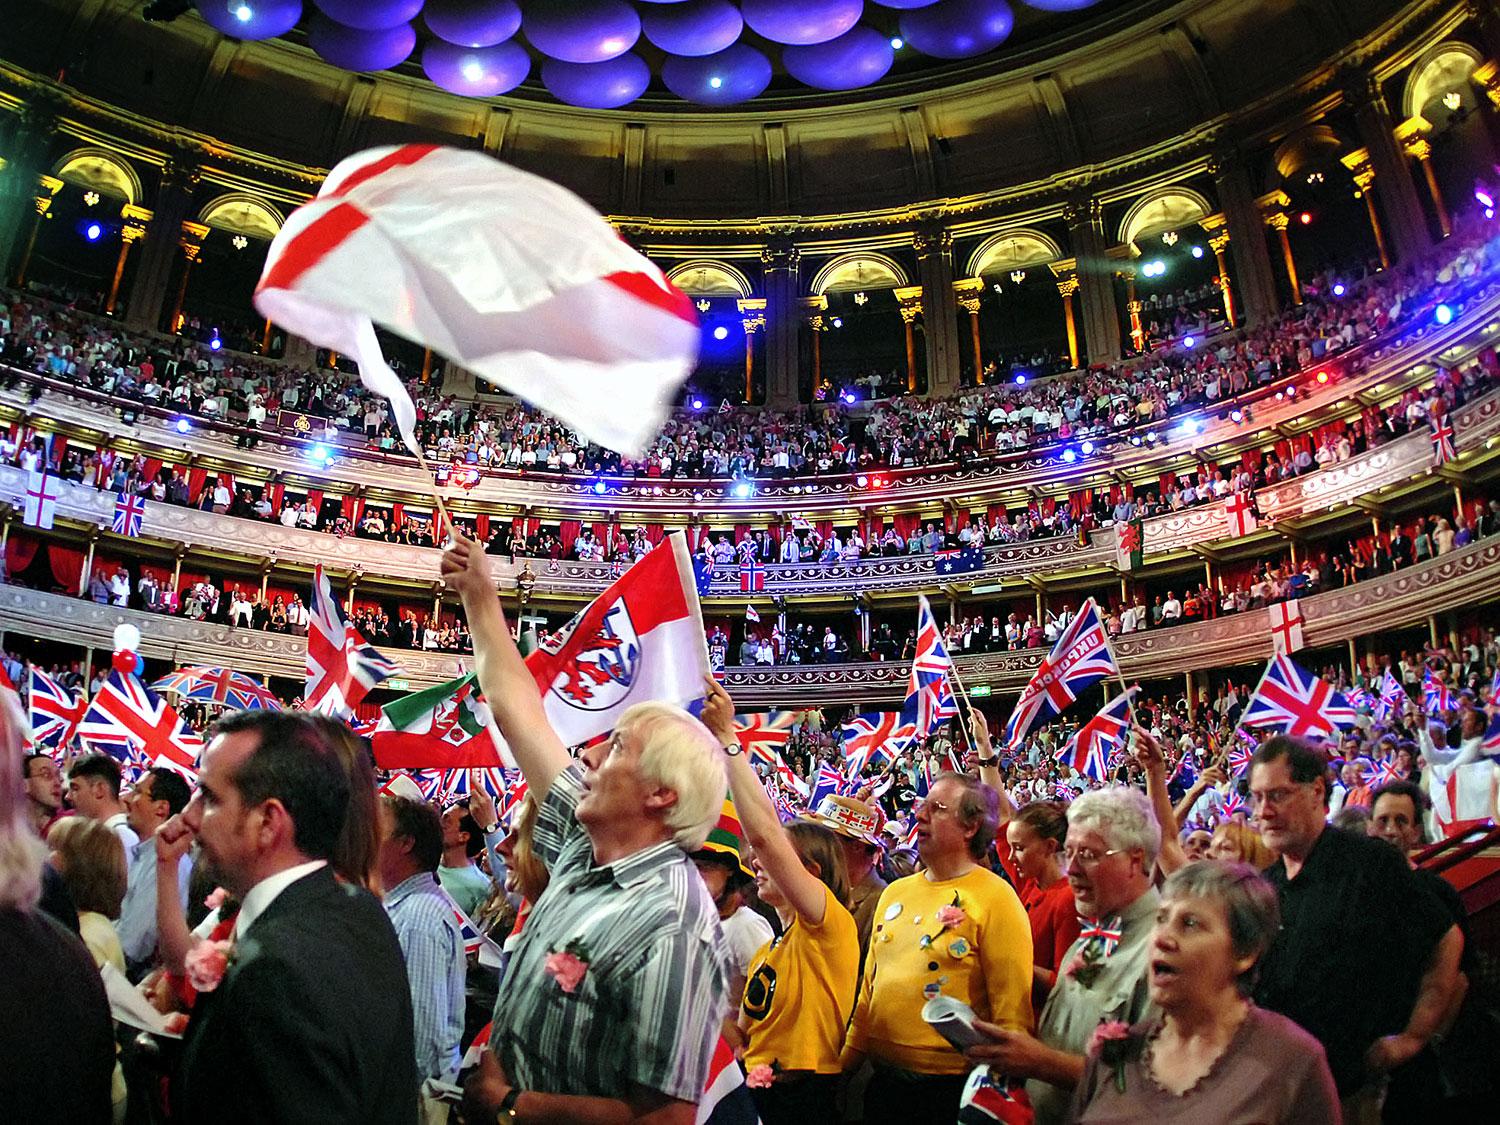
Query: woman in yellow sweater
point(800, 987)
point(954, 928)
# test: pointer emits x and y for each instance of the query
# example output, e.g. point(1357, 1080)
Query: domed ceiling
point(604, 54)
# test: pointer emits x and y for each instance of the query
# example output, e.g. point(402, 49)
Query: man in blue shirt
point(411, 844)
point(159, 793)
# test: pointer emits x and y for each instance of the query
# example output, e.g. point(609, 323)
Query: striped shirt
point(648, 1008)
point(433, 949)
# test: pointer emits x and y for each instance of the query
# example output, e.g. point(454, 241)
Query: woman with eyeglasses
point(1209, 1054)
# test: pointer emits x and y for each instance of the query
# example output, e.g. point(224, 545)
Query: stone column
point(191, 244)
point(1487, 77)
point(159, 250)
point(50, 186)
point(780, 264)
point(1412, 135)
point(1358, 163)
point(909, 302)
point(753, 320)
point(967, 294)
point(813, 309)
point(1398, 195)
point(25, 156)
point(1251, 258)
point(940, 310)
point(1101, 324)
point(1066, 273)
point(131, 232)
point(1133, 307)
point(1218, 241)
point(1279, 222)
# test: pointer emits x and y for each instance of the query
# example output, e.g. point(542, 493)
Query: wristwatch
point(733, 748)
point(507, 1108)
point(990, 761)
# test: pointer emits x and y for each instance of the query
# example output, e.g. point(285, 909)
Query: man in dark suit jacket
point(311, 1021)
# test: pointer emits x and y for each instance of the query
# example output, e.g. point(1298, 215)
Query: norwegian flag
point(1098, 740)
point(1436, 695)
point(929, 696)
point(752, 577)
point(1391, 694)
point(1080, 658)
point(1297, 702)
point(1239, 514)
point(341, 667)
point(882, 734)
point(55, 713)
point(129, 512)
point(1443, 450)
point(135, 725)
point(223, 686)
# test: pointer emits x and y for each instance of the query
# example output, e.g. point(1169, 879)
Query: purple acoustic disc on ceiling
point(958, 29)
point(352, 49)
point(905, 5)
point(476, 72)
point(698, 27)
point(473, 23)
point(251, 19)
point(1059, 5)
point(800, 22)
point(369, 15)
point(859, 57)
point(581, 31)
point(601, 85)
point(727, 78)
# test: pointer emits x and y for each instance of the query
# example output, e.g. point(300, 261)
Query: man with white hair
point(1113, 839)
point(618, 983)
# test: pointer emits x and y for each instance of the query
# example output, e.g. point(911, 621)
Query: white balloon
point(127, 637)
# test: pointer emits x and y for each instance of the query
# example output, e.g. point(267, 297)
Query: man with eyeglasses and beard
point(1113, 840)
point(1343, 899)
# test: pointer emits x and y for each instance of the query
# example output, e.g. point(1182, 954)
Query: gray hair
point(1122, 815)
point(1249, 902)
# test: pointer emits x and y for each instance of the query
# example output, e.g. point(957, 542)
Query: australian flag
point(703, 574)
point(958, 562)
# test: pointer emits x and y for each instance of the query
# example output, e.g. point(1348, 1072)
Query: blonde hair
point(93, 864)
point(21, 853)
point(819, 846)
point(1247, 842)
point(529, 868)
point(679, 753)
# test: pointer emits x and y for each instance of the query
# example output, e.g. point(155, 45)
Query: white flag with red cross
point(1286, 627)
point(1239, 514)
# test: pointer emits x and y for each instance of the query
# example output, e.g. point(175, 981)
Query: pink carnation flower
point(1110, 1031)
point(759, 1077)
point(216, 898)
point(176, 1023)
point(1072, 967)
point(206, 964)
point(949, 916)
point(566, 969)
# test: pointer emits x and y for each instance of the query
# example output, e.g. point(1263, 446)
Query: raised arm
point(173, 937)
point(773, 848)
point(1149, 754)
point(989, 764)
point(508, 687)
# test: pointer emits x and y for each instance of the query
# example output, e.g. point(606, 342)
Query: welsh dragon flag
point(447, 727)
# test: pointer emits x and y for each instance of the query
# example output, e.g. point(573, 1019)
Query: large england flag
point(641, 640)
point(504, 272)
point(1080, 658)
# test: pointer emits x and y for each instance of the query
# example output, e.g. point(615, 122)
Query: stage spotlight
point(1322, 377)
point(1237, 416)
point(849, 397)
point(1338, 289)
point(1069, 456)
point(1197, 251)
point(1189, 341)
point(1444, 314)
point(697, 404)
point(182, 426)
point(599, 488)
point(1020, 379)
point(743, 489)
point(215, 344)
point(721, 333)
point(1086, 448)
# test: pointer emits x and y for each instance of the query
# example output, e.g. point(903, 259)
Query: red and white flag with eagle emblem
point(504, 272)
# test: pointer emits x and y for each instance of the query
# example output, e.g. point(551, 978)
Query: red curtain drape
point(278, 498)
point(315, 495)
point(20, 551)
point(67, 564)
point(569, 531)
point(346, 508)
point(162, 574)
point(824, 528)
point(655, 531)
point(150, 467)
point(482, 526)
point(398, 514)
point(995, 512)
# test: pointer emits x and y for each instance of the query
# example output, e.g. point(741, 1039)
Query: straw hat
point(852, 819)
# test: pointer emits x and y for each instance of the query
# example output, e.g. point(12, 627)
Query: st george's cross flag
point(879, 734)
point(1286, 627)
point(1239, 514)
point(1443, 449)
point(137, 727)
point(130, 510)
point(341, 666)
point(507, 274)
point(641, 640)
point(1296, 702)
point(55, 712)
point(40, 505)
point(1090, 750)
point(1080, 658)
point(929, 695)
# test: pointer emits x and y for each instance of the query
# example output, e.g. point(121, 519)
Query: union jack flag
point(1384, 772)
point(1361, 698)
point(515, 792)
point(1106, 931)
point(1436, 695)
point(1296, 701)
point(1443, 450)
point(1391, 694)
point(1239, 759)
point(224, 686)
point(1491, 745)
point(474, 938)
point(136, 726)
point(455, 786)
point(55, 713)
point(762, 734)
point(878, 734)
point(929, 697)
point(1495, 688)
point(827, 783)
point(1080, 658)
point(752, 577)
point(1233, 803)
point(341, 666)
point(990, 1098)
point(129, 512)
point(1089, 751)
